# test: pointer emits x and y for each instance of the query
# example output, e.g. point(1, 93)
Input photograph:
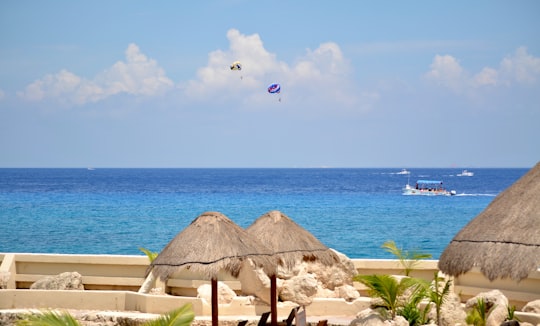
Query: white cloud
point(520, 67)
point(317, 78)
point(138, 75)
point(217, 79)
point(488, 76)
point(446, 71)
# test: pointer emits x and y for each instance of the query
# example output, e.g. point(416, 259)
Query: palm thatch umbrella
point(210, 244)
point(503, 241)
point(290, 243)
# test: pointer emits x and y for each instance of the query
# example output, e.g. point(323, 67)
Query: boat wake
point(475, 195)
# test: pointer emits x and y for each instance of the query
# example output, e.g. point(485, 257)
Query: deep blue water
point(116, 211)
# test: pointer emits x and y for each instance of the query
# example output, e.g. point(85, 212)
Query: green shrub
point(391, 291)
point(478, 315)
point(408, 259)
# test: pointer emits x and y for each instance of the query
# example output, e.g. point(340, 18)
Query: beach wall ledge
point(112, 282)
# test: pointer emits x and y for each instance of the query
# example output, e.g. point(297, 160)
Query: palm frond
point(182, 316)
point(408, 259)
point(150, 254)
point(48, 318)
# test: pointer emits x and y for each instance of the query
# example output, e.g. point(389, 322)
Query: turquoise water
point(116, 211)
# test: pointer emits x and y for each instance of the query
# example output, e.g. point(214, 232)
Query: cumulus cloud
point(488, 76)
point(138, 75)
point(446, 71)
point(319, 75)
point(320, 78)
point(520, 68)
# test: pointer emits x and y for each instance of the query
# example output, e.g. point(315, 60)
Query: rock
point(63, 281)
point(347, 292)
point(225, 293)
point(533, 306)
point(496, 304)
point(452, 312)
point(399, 321)
point(299, 289)
point(325, 293)
point(338, 274)
point(332, 281)
point(328, 277)
point(254, 281)
point(368, 317)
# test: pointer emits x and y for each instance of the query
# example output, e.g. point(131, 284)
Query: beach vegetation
point(150, 254)
point(391, 291)
point(182, 316)
point(412, 310)
point(407, 259)
point(511, 313)
point(477, 316)
point(438, 294)
point(48, 318)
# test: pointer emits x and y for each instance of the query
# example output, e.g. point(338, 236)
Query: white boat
point(427, 188)
point(465, 173)
point(404, 171)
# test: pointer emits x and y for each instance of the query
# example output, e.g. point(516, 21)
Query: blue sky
point(363, 83)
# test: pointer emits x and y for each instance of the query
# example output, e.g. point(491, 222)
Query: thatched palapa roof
point(503, 241)
point(211, 243)
point(289, 241)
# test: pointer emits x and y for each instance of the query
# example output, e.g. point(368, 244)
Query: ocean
point(354, 211)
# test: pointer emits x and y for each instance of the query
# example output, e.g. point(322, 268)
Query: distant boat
point(90, 169)
point(427, 188)
point(404, 171)
point(465, 173)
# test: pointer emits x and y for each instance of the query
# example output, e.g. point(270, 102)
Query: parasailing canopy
point(236, 65)
point(274, 88)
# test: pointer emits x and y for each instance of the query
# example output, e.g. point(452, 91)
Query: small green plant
point(48, 318)
point(478, 315)
point(389, 289)
point(411, 309)
point(438, 295)
point(511, 313)
point(407, 259)
point(150, 254)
